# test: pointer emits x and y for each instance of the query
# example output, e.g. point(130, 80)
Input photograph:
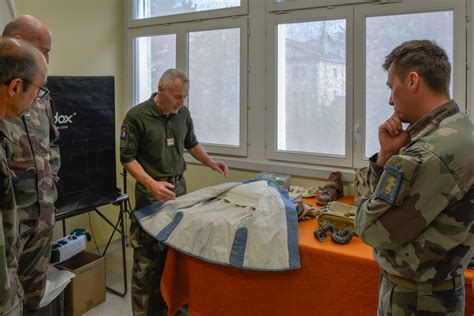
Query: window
point(312, 54)
point(154, 54)
point(165, 12)
point(383, 33)
point(384, 29)
point(312, 104)
point(278, 5)
point(213, 52)
point(289, 86)
point(214, 72)
point(156, 8)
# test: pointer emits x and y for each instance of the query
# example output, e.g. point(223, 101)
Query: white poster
point(7, 12)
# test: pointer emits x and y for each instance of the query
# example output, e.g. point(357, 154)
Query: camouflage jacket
point(35, 156)
point(419, 219)
point(8, 227)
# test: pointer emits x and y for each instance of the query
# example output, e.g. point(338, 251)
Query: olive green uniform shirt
point(155, 140)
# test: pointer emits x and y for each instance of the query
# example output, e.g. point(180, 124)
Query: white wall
point(87, 41)
point(7, 8)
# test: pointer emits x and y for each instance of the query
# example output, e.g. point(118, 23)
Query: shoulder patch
point(124, 132)
point(390, 183)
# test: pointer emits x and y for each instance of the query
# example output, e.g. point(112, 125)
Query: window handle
point(357, 134)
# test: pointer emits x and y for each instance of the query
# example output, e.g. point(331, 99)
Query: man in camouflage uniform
point(35, 164)
point(23, 71)
point(420, 218)
point(153, 137)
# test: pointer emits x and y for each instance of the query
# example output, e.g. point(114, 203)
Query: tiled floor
point(115, 305)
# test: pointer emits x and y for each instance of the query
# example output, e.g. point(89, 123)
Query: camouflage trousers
point(36, 234)
point(13, 306)
point(395, 300)
point(149, 258)
point(17, 310)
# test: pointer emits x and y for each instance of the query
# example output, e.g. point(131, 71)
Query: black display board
point(85, 117)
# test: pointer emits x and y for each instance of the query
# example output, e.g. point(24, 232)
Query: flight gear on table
point(340, 215)
point(332, 190)
point(338, 236)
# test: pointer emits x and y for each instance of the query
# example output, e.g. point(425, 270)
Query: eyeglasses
point(42, 91)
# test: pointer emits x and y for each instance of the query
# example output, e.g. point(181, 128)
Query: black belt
point(171, 179)
point(425, 287)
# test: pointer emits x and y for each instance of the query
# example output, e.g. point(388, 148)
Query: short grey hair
point(17, 60)
point(169, 77)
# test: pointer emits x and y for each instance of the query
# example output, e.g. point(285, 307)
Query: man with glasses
point(23, 70)
point(35, 163)
point(42, 91)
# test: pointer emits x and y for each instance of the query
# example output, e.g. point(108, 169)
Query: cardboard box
point(87, 288)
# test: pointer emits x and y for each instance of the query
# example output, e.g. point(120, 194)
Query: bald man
point(35, 163)
point(23, 72)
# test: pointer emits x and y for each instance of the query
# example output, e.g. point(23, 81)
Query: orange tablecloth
point(334, 280)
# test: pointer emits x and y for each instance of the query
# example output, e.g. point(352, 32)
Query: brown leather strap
point(171, 179)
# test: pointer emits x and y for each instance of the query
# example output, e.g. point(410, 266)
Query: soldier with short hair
point(23, 72)
point(153, 137)
point(419, 219)
point(35, 164)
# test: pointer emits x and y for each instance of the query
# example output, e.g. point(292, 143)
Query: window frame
point(274, 6)
point(235, 22)
point(259, 49)
point(315, 15)
point(470, 54)
point(183, 17)
point(457, 64)
point(134, 34)
point(182, 62)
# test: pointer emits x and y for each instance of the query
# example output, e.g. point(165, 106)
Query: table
point(119, 226)
point(334, 280)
